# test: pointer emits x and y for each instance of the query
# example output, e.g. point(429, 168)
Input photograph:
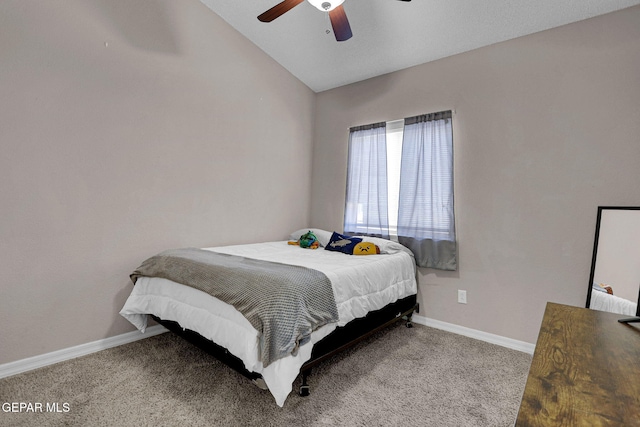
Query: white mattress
point(360, 284)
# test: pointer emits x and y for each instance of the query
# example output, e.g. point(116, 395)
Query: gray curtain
point(426, 223)
point(366, 209)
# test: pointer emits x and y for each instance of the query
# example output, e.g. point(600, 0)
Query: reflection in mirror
point(614, 282)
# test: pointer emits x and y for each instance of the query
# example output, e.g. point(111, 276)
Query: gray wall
point(547, 127)
point(178, 132)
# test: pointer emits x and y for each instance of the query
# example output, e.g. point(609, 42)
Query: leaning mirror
point(614, 282)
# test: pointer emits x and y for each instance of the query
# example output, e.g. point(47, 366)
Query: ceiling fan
point(337, 16)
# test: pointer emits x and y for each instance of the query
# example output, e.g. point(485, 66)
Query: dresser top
point(585, 371)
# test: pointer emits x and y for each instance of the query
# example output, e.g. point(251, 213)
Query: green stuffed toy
point(308, 240)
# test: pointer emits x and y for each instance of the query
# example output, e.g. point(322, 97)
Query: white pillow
point(323, 236)
point(386, 246)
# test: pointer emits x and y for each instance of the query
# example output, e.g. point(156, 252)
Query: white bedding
point(605, 302)
point(360, 284)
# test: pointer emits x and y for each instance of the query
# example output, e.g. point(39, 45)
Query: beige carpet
point(415, 377)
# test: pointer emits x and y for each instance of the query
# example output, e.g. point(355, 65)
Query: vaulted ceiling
point(390, 35)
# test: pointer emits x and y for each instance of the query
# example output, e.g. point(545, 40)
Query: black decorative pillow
point(342, 243)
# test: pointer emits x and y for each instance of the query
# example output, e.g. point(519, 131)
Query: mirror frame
point(595, 245)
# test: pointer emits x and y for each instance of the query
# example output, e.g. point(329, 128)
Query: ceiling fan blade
point(405, 0)
point(340, 24)
point(278, 10)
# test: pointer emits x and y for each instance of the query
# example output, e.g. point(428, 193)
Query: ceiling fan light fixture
point(325, 5)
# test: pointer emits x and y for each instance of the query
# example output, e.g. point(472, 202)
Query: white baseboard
point(473, 333)
point(28, 364)
point(19, 366)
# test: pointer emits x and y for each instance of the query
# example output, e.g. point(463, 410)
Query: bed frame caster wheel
point(407, 319)
point(304, 390)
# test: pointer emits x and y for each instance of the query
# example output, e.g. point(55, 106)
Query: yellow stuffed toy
point(366, 248)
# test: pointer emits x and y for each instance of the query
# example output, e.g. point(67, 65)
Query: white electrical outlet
point(462, 296)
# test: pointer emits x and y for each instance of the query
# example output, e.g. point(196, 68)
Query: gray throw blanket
point(285, 303)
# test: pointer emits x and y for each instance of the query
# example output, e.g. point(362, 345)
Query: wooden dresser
point(585, 371)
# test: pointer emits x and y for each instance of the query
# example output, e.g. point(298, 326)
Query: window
point(400, 186)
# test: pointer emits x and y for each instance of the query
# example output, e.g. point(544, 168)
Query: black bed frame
point(338, 340)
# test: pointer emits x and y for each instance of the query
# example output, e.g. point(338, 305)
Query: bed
point(370, 292)
point(604, 301)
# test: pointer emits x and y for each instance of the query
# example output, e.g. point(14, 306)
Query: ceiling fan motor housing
point(325, 5)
